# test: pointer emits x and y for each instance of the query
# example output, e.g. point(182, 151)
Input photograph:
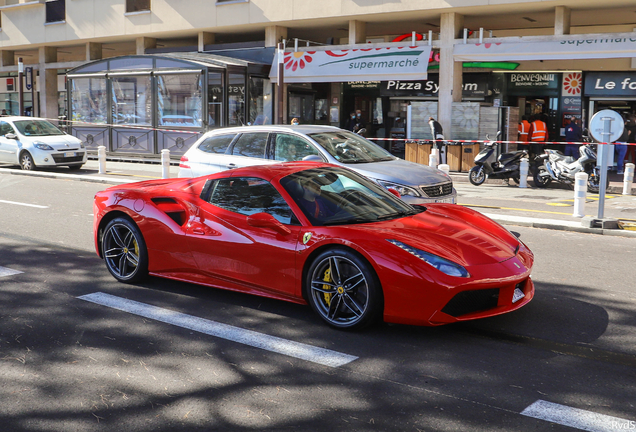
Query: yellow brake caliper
point(327, 278)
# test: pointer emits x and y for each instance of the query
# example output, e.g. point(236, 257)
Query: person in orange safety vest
point(538, 133)
point(524, 130)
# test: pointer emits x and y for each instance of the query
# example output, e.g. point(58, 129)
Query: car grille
point(467, 302)
point(59, 158)
point(438, 190)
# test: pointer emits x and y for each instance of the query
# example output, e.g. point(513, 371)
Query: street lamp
point(20, 85)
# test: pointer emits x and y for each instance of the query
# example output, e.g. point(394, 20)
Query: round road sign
point(597, 126)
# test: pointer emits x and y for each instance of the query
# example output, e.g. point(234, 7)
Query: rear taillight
point(182, 164)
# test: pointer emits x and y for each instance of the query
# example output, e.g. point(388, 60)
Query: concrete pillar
point(274, 34)
point(144, 43)
point(562, 20)
point(205, 38)
point(48, 83)
point(357, 32)
point(8, 58)
point(93, 51)
point(450, 71)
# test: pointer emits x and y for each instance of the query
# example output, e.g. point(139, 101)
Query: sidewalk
point(507, 204)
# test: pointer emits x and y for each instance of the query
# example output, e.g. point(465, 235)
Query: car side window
point(249, 195)
point(292, 148)
point(251, 145)
point(5, 128)
point(216, 143)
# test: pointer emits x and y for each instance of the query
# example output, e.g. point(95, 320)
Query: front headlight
point(81, 144)
point(403, 190)
point(42, 146)
point(445, 266)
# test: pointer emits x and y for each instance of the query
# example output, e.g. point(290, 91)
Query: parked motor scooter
point(554, 165)
point(488, 165)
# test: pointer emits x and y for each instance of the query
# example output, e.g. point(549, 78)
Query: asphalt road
point(73, 364)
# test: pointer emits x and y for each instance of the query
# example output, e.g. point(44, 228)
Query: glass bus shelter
point(140, 105)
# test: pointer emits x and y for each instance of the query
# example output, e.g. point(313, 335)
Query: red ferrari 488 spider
point(315, 233)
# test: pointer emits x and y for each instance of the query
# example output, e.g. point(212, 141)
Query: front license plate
point(518, 295)
point(446, 200)
point(70, 154)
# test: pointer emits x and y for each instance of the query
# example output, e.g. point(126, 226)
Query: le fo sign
point(626, 84)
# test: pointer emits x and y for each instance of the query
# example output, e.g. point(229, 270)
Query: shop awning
point(360, 64)
point(588, 47)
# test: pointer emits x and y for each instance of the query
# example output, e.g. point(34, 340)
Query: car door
point(8, 147)
point(288, 147)
point(211, 156)
point(249, 149)
point(237, 255)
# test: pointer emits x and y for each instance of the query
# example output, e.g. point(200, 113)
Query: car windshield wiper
point(346, 221)
point(396, 215)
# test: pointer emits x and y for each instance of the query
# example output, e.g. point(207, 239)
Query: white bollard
point(101, 159)
point(433, 158)
point(628, 179)
point(165, 163)
point(444, 167)
point(524, 167)
point(580, 191)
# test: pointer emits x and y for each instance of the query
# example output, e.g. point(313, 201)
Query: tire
point(476, 175)
point(343, 290)
point(541, 177)
point(26, 161)
point(124, 251)
point(593, 182)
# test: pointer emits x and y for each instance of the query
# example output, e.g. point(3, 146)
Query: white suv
point(229, 148)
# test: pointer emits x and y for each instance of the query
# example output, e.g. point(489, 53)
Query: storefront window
point(236, 99)
point(179, 100)
point(132, 100)
point(260, 101)
point(215, 99)
point(89, 103)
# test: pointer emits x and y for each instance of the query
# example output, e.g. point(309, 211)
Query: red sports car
point(319, 234)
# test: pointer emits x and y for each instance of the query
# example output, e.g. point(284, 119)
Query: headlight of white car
point(42, 146)
point(403, 190)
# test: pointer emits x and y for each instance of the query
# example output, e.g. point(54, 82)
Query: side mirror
point(11, 136)
point(266, 220)
point(312, 158)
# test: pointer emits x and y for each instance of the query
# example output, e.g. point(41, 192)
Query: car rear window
point(216, 143)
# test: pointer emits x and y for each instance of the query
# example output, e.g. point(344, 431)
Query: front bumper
point(59, 158)
point(449, 198)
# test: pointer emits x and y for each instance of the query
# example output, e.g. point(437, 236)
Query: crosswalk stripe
point(298, 350)
point(5, 271)
point(576, 418)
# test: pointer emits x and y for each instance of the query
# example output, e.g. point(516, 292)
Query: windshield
point(36, 128)
point(332, 196)
point(347, 147)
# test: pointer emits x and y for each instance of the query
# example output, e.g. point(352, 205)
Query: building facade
point(397, 62)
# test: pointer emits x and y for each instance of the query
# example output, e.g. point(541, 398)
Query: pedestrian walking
point(438, 135)
point(538, 134)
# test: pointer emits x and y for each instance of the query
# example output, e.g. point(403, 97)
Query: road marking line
point(576, 418)
point(5, 271)
point(299, 350)
point(24, 204)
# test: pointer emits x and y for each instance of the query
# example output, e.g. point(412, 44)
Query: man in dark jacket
point(438, 135)
point(573, 134)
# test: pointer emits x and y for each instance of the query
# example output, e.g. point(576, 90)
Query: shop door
point(301, 106)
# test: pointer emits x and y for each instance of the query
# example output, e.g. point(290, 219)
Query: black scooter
point(506, 166)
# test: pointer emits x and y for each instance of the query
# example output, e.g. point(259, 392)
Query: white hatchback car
point(33, 142)
point(237, 147)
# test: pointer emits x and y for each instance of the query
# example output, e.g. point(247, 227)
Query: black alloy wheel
point(124, 251)
point(343, 290)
